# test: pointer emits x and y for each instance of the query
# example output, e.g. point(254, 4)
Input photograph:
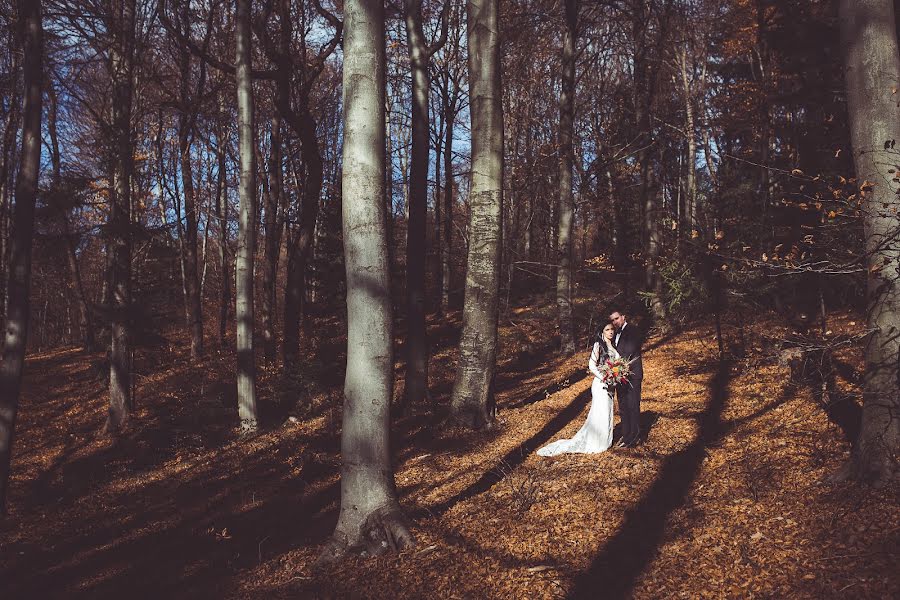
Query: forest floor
point(726, 499)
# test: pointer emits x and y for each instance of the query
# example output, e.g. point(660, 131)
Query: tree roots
point(384, 530)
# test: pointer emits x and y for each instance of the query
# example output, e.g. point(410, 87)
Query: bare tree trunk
point(416, 383)
point(246, 363)
point(121, 62)
point(301, 242)
point(222, 217)
point(690, 135)
point(274, 227)
point(872, 69)
point(564, 270)
point(194, 310)
point(18, 308)
point(10, 132)
point(447, 246)
point(644, 89)
point(473, 402)
point(370, 517)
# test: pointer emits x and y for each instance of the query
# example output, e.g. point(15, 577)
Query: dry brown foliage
point(725, 499)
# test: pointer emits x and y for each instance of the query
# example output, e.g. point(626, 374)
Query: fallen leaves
point(739, 511)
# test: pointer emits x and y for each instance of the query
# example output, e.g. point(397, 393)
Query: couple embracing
point(618, 339)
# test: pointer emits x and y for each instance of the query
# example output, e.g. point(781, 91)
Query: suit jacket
point(629, 347)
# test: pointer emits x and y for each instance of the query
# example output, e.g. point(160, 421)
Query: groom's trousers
point(630, 411)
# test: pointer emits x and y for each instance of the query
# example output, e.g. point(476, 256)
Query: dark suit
point(629, 347)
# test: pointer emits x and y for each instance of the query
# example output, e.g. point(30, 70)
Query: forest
point(297, 293)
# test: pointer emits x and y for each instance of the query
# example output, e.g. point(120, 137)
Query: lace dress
point(597, 432)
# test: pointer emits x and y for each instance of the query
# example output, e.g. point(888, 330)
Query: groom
point(627, 342)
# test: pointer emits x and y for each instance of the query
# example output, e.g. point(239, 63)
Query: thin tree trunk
point(872, 69)
point(246, 363)
point(304, 125)
point(644, 90)
point(273, 229)
point(18, 308)
point(370, 516)
point(194, 310)
point(436, 267)
point(690, 135)
point(473, 402)
point(121, 60)
point(447, 245)
point(564, 270)
point(222, 217)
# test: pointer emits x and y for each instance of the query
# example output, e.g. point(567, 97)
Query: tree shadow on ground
point(511, 459)
point(625, 556)
point(571, 378)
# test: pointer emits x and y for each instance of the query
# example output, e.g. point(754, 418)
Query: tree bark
point(19, 274)
point(370, 516)
point(691, 137)
point(447, 215)
point(472, 402)
point(416, 383)
point(564, 270)
point(246, 362)
point(222, 217)
point(872, 69)
point(194, 310)
point(304, 125)
point(121, 63)
point(8, 158)
point(273, 229)
point(644, 92)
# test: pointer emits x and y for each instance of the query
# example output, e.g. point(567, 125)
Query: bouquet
point(615, 371)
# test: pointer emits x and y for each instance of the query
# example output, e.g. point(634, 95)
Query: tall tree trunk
point(436, 265)
point(121, 62)
point(564, 270)
point(8, 158)
point(473, 402)
point(447, 215)
point(872, 69)
point(301, 242)
point(274, 227)
point(691, 137)
point(246, 363)
point(644, 92)
point(18, 307)
point(194, 310)
point(370, 516)
point(416, 384)
point(222, 217)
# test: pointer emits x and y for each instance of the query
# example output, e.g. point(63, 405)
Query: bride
point(597, 432)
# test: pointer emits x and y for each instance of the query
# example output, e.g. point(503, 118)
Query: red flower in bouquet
point(616, 371)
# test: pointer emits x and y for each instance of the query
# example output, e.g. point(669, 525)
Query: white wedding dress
point(597, 432)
